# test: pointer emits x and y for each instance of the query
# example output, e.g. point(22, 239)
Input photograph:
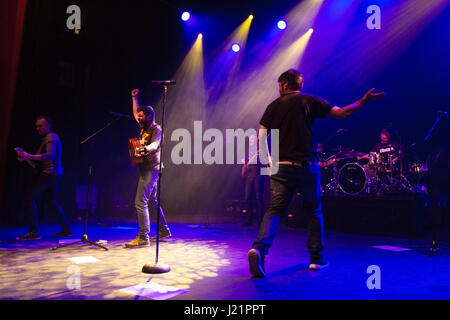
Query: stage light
point(250, 17)
point(200, 35)
point(185, 16)
point(281, 24)
point(310, 30)
point(236, 47)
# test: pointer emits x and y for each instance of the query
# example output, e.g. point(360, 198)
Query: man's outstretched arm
point(347, 111)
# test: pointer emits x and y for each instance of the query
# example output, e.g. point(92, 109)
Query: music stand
point(84, 238)
point(156, 267)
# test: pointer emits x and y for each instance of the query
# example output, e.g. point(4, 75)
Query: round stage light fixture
point(200, 35)
point(310, 30)
point(236, 47)
point(281, 25)
point(185, 16)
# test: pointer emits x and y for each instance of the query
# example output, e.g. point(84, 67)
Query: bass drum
point(352, 179)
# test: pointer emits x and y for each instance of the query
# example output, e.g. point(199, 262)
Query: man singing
point(47, 162)
point(150, 138)
point(293, 115)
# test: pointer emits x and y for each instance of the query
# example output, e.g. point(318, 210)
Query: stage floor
point(210, 263)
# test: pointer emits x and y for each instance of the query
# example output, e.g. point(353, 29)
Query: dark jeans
point(254, 194)
point(284, 184)
point(45, 186)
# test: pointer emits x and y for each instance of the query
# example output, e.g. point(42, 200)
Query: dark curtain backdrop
point(12, 14)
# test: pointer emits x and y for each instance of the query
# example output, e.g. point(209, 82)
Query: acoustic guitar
point(136, 150)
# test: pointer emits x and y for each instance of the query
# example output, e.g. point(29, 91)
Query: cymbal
point(340, 150)
point(350, 154)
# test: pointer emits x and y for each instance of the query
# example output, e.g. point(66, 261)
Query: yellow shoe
point(138, 242)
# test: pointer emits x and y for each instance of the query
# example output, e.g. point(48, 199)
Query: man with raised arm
point(150, 138)
point(293, 115)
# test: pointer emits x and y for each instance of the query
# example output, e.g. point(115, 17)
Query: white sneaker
point(315, 266)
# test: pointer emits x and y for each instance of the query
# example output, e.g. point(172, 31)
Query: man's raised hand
point(134, 92)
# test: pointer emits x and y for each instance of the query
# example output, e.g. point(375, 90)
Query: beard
point(144, 124)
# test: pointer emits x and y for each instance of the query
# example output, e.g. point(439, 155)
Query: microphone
point(119, 115)
point(165, 82)
point(445, 113)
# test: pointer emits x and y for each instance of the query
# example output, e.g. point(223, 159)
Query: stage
point(210, 263)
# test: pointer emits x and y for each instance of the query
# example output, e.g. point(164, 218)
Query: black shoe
point(62, 234)
point(256, 263)
point(29, 236)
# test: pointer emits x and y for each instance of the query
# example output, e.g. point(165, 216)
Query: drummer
point(386, 147)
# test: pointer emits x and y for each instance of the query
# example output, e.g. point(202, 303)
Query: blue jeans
point(283, 185)
point(45, 186)
point(145, 196)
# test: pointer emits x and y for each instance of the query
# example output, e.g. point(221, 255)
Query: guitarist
point(254, 183)
point(150, 138)
point(47, 164)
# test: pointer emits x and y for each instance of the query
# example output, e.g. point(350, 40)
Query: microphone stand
point(438, 118)
point(84, 238)
point(156, 267)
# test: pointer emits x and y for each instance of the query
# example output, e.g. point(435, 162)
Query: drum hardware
point(356, 173)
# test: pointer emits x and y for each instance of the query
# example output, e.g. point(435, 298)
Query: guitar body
point(20, 152)
point(134, 144)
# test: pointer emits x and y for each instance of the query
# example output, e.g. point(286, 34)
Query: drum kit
point(354, 173)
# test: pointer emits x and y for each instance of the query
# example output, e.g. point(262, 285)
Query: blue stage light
point(281, 25)
point(236, 47)
point(185, 16)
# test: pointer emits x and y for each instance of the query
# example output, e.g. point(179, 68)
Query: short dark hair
point(148, 111)
point(385, 132)
point(47, 119)
point(293, 78)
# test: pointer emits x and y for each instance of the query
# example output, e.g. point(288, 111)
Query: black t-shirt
point(385, 149)
point(381, 147)
point(293, 114)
